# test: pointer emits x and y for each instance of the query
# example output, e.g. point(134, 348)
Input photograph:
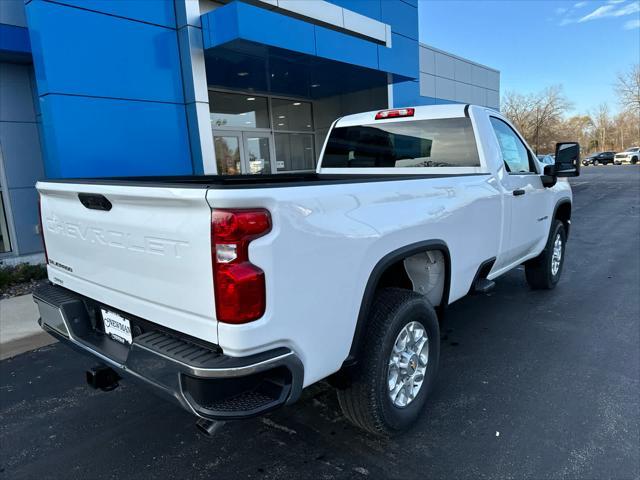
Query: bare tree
point(517, 108)
point(537, 115)
point(602, 127)
point(577, 128)
point(628, 89)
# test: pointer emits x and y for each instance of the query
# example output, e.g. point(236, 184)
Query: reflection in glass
point(227, 155)
point(258, 155)
point(294, 151)
point(238, 111)
point(445, 142)
point(291, 115)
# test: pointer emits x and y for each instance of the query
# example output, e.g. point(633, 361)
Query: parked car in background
point(600, 158)
point(630, 155)
point(546, 159)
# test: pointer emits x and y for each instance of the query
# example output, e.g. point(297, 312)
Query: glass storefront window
point(291, 115)
point(5, 245)
point(294, 151)
point(238, 110)
point(261, 135)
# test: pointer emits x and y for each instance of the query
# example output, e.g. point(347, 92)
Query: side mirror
point(567, 159)
point(548, 177)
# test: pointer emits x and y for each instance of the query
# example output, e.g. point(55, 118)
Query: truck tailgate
point(149, 255)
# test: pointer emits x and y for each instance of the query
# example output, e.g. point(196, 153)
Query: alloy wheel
point(408, 364)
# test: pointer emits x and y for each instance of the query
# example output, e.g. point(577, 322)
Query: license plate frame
point(117, 327)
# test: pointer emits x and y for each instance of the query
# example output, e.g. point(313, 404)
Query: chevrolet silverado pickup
point(231, 294)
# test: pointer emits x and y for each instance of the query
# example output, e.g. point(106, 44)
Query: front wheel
point(397, 365)
point(596, 162)
point(634, 160)
point(543, 272)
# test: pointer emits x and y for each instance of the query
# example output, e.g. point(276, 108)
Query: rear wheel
point(543, 272)
point(397, 366)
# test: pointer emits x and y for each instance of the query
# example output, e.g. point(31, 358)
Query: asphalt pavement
point(538, 385)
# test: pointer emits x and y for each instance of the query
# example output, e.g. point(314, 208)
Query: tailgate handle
point(95, 201)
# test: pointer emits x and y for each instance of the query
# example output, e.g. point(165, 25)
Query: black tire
point(366, 401)
point(539, 271)
point(634, 160)
point(596, 162)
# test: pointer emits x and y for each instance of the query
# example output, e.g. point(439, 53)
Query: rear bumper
point(198, 377)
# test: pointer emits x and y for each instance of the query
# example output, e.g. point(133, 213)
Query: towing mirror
point(567, 159)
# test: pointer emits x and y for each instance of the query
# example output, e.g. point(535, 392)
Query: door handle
point(518, 192)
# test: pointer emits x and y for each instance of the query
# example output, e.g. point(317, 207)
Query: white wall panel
point(493, 99)
point(478, 95)
point(462, 71)
point(445, 66)
point(479, 76)
point(363, 25)
point(463, 92)
point(427, 60)
point(427, 85)
point(445, 89)
point(318, 9)
point(493, 81)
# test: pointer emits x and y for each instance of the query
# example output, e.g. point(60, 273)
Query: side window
point(515, 154)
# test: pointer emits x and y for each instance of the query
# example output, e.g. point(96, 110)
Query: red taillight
point(44, 243)
point(239, 285)
point(396, 113)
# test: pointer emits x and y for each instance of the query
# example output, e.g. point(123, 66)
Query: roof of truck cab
point(427, 112)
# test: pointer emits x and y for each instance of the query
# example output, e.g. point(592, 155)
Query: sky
point(580, 44)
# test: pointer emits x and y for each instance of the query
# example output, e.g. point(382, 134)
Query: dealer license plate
point(117, 327)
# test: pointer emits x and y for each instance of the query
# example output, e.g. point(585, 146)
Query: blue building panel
point(157, 12)
point(407, 93)
point(88, 53)
point(21, 142)
point(346, 48)
point(402, 59)
point(239, 20)
point(16, 95)
point(97, 137)
point(402, 17)
point(25, 201)
point(14, 39)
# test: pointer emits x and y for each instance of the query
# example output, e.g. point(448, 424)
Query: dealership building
point(92, 88)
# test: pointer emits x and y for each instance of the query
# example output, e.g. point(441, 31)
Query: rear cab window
point(432, 143)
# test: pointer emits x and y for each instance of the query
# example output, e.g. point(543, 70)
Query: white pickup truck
point(233, 293)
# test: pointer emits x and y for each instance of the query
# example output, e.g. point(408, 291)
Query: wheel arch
point(384, 264)
point(562, 212)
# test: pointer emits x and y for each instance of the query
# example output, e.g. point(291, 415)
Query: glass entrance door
point(258, 149)
point(228, 148)
point(244, 153)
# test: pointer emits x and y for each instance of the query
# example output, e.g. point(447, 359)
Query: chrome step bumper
point(198, 377)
